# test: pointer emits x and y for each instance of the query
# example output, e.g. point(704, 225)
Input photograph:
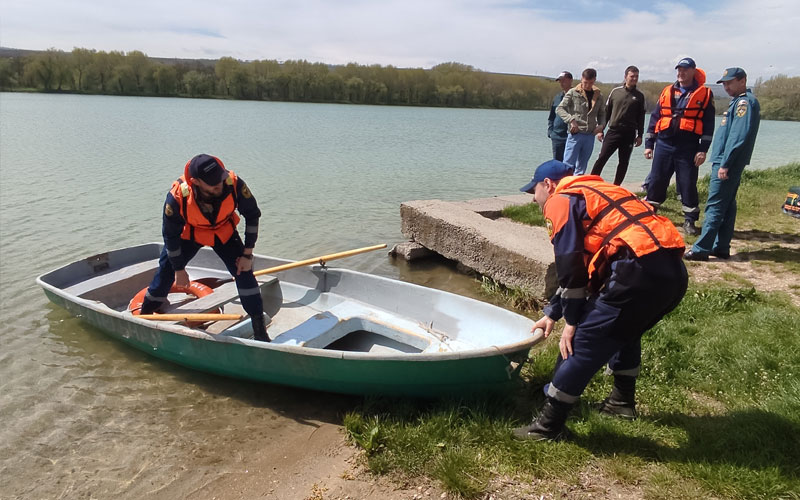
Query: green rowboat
point(333, 329)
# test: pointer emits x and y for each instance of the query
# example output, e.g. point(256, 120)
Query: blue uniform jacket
point(736, 136)
point(556, 128)
point(173, 222)
point(570, 263)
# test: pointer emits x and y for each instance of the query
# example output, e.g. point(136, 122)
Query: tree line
point(449, 84)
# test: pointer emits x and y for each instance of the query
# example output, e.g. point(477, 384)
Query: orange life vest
point(618, 218)
point(197, 227)
point(691, 117)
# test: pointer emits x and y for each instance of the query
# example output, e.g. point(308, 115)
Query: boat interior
point(301, 312)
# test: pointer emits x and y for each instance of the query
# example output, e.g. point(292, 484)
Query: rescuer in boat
point(620, 270)
point(200, 210)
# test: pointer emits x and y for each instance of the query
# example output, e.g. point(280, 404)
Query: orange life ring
point(195, 288)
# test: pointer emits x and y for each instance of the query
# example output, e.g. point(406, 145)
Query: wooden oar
point(191, 317)
point(321, 260)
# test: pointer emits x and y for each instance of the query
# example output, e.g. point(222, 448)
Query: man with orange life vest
point(200, 210)
point(620, 270)
point(678, 139)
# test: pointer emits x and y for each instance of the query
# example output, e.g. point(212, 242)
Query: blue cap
point(551, 169)
point(686, 62)
point(732, 73)
point(208, 169)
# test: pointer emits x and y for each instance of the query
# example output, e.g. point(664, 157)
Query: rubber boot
point(151, 306)
point(549, 425)
point(622, 400)
point(259, 328)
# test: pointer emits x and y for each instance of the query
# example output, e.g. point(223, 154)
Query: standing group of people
point(619, 264)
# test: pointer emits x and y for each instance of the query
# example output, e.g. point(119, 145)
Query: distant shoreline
point(446, 85)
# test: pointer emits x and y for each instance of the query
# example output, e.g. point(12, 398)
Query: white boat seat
point(122, 274)
point(327, 327)
point(223, 294)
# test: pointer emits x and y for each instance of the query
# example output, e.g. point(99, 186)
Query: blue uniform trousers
point(246, 283)
point(720, 214)
point(558, 147)
point(675, 156)
point(578, 150)
point(636, 295)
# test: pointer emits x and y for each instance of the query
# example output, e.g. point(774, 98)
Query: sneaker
point(695, 256)
point(690, 229)
point(618, 409)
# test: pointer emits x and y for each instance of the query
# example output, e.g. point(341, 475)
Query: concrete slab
point(511, 253)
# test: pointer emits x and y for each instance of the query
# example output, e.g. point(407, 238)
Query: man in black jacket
point(625, 107)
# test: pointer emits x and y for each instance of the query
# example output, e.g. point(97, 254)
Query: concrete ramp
point(472, 233)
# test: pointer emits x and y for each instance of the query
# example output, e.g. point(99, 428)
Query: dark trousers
point(616, 139)
point(558, 148)
point(246, 283)
point(675, 156)
point(637, 294)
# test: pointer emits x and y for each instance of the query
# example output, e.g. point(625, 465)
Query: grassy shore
point(719, 396)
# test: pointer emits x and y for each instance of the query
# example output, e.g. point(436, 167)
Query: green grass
point(527, 214)
point(719, 396)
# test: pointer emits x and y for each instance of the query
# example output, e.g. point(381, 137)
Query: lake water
point(84, 174)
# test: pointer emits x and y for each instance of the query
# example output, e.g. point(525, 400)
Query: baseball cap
point(732, 73)
point(551, 169)
point(208, 169)
point(564, 74)
point(686, 62)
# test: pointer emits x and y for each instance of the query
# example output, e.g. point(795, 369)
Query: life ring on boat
point(195, 288)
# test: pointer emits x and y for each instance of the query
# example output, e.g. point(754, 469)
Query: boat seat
point(222, 295)
point(327, 327)
point(103, 280)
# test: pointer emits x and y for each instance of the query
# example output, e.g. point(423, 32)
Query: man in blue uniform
point(200, 211)
point(732, 150)
point(620, 270)
point(556, 128)
point(678, 139)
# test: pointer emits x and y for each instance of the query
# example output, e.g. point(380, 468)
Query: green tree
point(139, 65)
point(225, 69)
point(166, 79)
point(82, 60)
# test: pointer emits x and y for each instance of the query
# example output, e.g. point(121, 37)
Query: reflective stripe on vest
point(197, 227)
point(618, 218)
point(689, 118)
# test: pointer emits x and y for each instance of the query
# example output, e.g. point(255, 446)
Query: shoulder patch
point(741, 108)
point(548, 224)
point(246, 191)
point(168, 210)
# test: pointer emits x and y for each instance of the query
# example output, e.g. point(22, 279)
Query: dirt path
point(755, 260)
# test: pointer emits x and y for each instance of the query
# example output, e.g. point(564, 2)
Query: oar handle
point(191, 317)
point(318, 260)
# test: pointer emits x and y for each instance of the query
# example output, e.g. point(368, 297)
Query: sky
point(505, 36)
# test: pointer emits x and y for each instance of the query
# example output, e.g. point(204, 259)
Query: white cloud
point(502, 36)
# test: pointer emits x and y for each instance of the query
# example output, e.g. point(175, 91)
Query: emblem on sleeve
point(549, 224)
point(246, 192)
point(741, 108)
point(168, 210)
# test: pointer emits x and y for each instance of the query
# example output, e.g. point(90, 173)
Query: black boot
point(259, 328)
point(622, 400)
point(549, 425)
